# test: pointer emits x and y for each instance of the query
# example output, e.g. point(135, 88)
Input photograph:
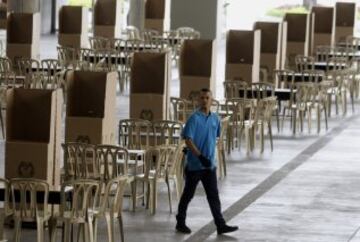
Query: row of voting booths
point(274, 45)
point(73, 21)
point(33, 148)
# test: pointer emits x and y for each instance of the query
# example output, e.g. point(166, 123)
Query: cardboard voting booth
point(197, 67)
point(33, 133)
point(324, 27)
point(73, 26)
point(157, 15)
point(91, 107)
point(273, 46)
point(243, 55)
point(23, 36)
point(298, 39)
point(345, 20)
point(107, 18)
point(149, 91)
point(3, 15)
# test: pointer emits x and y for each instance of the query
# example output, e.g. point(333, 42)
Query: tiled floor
point(306, 190)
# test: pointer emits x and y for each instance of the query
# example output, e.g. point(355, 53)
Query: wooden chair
point(85, 196)
point(135, 133)
point(6, 210)
point(110, 207)
point(32, 195)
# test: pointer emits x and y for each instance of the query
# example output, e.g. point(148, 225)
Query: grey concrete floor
point(307, 189)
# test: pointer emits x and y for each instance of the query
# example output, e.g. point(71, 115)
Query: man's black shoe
point(226, 229)
point(182, 228)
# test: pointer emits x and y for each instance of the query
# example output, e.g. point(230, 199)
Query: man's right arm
point(190, 144)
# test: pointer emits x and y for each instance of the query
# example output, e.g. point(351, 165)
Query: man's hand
point(204, 161)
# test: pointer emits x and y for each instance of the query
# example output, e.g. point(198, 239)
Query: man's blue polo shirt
point(203, 130)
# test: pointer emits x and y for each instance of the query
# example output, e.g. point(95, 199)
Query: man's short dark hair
point(205, 90)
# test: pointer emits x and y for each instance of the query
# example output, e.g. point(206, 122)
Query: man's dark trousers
point(209, 180)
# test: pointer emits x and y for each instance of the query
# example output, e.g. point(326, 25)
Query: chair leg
point(271, 136)
point(2, 123)
point(40, 230)
point(224, 161)
point(121, 226)
point(134, 195)
point(90, 230)
point(169, 193)
point(17, 230)
point(309, 120)
point(95, 224)
point(277, 120)
point(262, 138)
point(52, 229)
point(2, 219)
point(110, 226)
point(318, 118)
point(294, 121)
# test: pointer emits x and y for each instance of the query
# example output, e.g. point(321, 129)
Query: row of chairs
point(83, 203)
point(159, 163)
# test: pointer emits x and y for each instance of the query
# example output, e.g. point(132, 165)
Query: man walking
point(200, 133)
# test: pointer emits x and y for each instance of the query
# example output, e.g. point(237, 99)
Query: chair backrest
point(29, 197)
point(265, 109)
point(167, 132)
point(175, 158)
point(262, 90)
point(135, 133)
point(284, 78)
point(5, 184)
point(306, 92)
point(181, 109)
point(324, 52)
point(155, 161)
point(187, 33)
point(113, 161)
point(80, 161)
point(224, 129)
point(66, 56)
point(236, 89)
point(27, 66)
point(314, 76)
point(240, 110)
point(353, 42)
point(85, 196)
point(112, 198)
point(337, 63)
point(304, 63)
point(49, 68)
point(99, 43)
point(132, 33)
point(5, 65)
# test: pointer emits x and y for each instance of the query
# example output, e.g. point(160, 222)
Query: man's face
point(205, 99)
